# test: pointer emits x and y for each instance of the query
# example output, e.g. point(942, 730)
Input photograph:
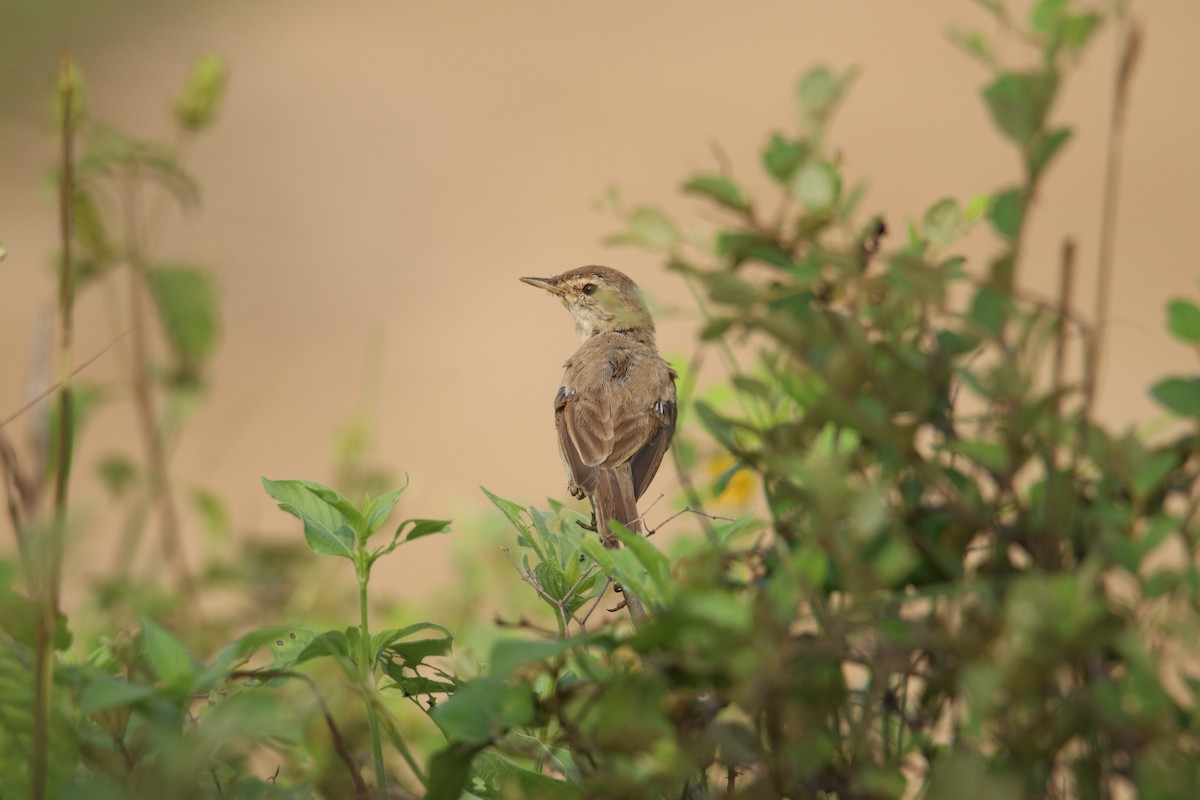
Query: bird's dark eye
point(589, 288)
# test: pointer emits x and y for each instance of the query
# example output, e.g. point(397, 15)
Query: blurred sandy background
point(388, 169)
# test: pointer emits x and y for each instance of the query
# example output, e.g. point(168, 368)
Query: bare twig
point(49, 390)
point(1130, 43)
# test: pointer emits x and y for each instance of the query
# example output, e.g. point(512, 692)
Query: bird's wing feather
point(645, 462)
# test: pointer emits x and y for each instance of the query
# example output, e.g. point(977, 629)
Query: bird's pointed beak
point(549, 284)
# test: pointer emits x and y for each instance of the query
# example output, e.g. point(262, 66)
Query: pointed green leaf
point(1006, 212)
point(817, 186)
point(1019, 101)
point(105, 691)
point(509, 654)
point(942, 222)
point(322, 510)
point(1046, 147)
point(200, 100)
point(1183, 320)
point(719, 189)
point(186, 301)
point(782, 157)
point(379, 509)
point(513, 511)
point(1181, 395)
point(168, 658)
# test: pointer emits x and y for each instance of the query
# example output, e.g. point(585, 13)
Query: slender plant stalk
point(366, 673)
point(48, 569)
point(1130, 42)
point(152, 439)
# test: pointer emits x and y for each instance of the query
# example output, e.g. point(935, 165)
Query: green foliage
point(960, 578)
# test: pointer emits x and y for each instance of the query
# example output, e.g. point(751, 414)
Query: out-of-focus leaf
point(719, 189)
point(1183, 320)
point(484, 709)
point(213, 512)
point(1008, 207)
point(1181, 395)
point(118, 473)
point(728, 287)
point(1046, 147)
point(647, 227)
point(817, 186)
point(167, 657)
point(942, 221)
point(197, 105)
point(186, 301)
point(449, 770)
point(506, 779)
point(782, 157)
point(1019, 101)
point(106, 691)
point(739, 246)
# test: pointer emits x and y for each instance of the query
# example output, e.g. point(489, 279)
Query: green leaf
point(413, 653)
point(1078, 29)
point(1181, 395)
point(449, 770)
point(506, 779)
point(977, 207)
point(1008, 207)
point(1155, 469)
point(1046, 147)
point(327, 527)
point(974, 44)
point(484, 709)
point(989, 309)
point(718, 426)
point(186, 301)
point(818, 92)
point(213, 512)
point(647, 227)
point(412, 529)
point(719, 189)
point(197, 105)
point(105, 691)
point(118, 473)
point(167, 657)
point(287, 646)
point(1018, 102)
point(942, 222)
point(989, 455)
point(657, 565)
point(782, 157)
point(509, 654)
point(379, 509)
point(1046, 15)
point(739, 246)
point(727, 287)
point(513, 511)
point(1183, 320)
point(109, 148)
point(721, 483)
point(330, 643)
point(817, 185)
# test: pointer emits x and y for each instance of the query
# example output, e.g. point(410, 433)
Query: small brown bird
point(615, 411)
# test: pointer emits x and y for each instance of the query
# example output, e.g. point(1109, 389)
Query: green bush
point(962, 584)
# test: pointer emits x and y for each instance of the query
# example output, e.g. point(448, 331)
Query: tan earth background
point(383, 172)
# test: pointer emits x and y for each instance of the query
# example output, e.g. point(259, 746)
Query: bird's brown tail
point(614, 499)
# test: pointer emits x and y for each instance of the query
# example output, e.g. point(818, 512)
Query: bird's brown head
point(600, 300)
